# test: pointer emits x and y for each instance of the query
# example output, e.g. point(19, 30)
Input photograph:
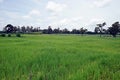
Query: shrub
point(18, 35)
point(3, 35)
point(9, 35)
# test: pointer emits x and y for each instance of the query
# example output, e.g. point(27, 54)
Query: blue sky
point(59, 13)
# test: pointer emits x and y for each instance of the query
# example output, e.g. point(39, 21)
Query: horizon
point(63, 14)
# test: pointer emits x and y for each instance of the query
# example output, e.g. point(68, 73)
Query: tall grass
point(59, 57)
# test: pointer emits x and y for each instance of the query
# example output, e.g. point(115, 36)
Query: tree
point(56, 30)
point(18, 29)
point(100, 26)
point(75, 31)
point(82, 31)
point(66, 31)
point(15, 29)
point(23, 29)
point(96, 30)
point(49, 30)
point(9, 28)
point(45, 31)
point(31, 29)
point(115, 29)
point(38, 28)
point(28, 29)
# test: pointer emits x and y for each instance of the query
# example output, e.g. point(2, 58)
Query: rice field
point(59, 57)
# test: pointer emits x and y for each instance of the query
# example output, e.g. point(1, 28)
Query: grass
point(59, 57)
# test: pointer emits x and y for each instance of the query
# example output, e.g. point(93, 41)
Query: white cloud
point(77, 23)
point(26, 17)
point(69, 23)
point(32, 13)
point(96, 20)
point(16, 18)
point(101, 3)
point(91, 24)
point(12, 15)
point(1, 1)
point(15, 15)
point(36, 1)
point(77, 19)
point(53, 17)
point(55, 7)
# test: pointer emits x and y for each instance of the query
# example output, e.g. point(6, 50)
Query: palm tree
point(101, 27)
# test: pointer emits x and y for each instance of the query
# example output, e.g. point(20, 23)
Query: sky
point(70, 14)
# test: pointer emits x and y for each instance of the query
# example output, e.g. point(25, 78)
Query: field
point(59, 57)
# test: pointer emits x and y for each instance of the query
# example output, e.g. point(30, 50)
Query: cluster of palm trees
point(113, 30)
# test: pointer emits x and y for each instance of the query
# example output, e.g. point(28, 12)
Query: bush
point(9, 35)
point(18, 35)
point(3, 35)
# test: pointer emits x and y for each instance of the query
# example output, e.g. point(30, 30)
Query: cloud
point(16, 15)
point(51, 18)
point(96, 20)
point(55, 7)
point(101, 3)
point(35, 12)
point(16, 18)
point(32, 18)
point(91, 24)
point(37, 1)
point(11, 15)
point(1, 1)
point(69, 23)
point(32, 13)
point(77, 23)
point(26, 17)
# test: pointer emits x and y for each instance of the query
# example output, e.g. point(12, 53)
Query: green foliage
point(18, 35)
point(3, 35)
point(59, 57)
point(115, 29)
point(9, 35)
point(9, 28)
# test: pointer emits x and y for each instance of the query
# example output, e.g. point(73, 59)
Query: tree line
point(113, 30)
point(13, 29)
point(99, 29)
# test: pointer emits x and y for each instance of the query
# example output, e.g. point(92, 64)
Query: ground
point(59, 57)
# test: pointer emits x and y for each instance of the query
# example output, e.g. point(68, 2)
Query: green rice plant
point(59, 57)
point(3, 35)
point(18, 35)
point(9, 35)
